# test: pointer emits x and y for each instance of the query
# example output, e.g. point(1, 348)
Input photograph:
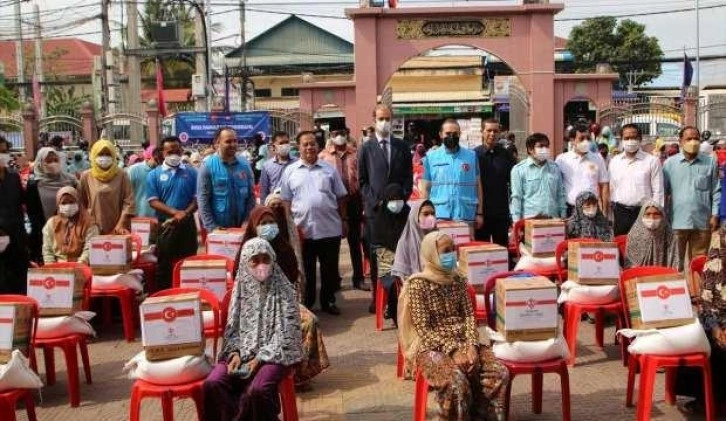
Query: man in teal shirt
point(451, 179)
point(137, 174)
point(537, 188)
point(693, 194)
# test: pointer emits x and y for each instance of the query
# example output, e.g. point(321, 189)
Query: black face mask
point(451, 142)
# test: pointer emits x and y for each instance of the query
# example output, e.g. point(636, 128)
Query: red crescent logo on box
point(465, 167)
point(107, 246)
point(49, 283)
point(663, 292)
point(169, 314)
point(531, 303)
point(242, 175)
point(599, 256)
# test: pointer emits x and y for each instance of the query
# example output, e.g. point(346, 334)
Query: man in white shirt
point(635, 176)
point(583, 170)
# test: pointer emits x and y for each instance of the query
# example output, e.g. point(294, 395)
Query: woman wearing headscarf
point(650, 240)
point(588, 221)
point(48, 179)
point(261, 341)
point(13, 239)
point(105, 190)
point(388, 224)
point(67, 235)
point(264, 224)
point(438, 331)
point(711, 308)
point(421, 221)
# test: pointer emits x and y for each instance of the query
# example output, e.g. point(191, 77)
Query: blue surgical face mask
point(448, 261)
point(268, 231)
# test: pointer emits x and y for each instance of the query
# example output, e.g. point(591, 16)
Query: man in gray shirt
point(273, 168)
point(314, 192)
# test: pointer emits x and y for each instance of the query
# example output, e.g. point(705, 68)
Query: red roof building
point(63, 57)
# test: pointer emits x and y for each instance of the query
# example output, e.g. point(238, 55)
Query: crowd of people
point(297, 209)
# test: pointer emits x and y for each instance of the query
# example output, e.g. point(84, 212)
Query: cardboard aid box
point(593, 263)
point(459, 231)
point(58, 291)
point(658, 301)
point(16, 320)
point(225, 243)
point(541, 236)
point(205, 274)
point(110, 254)
point(481, 262)
point(171, 326)
point(146, 229)
point(526, 309)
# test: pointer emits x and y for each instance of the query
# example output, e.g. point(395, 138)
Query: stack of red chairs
point(68, 344)
point(573, 311)
point(536, 369)
point(649, 364)
point(9, 398)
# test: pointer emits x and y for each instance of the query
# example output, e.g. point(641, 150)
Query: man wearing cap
point(137, 174)
point(584, 170)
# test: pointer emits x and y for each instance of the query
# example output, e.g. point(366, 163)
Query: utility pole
point(208, 38)
point(134, 68)
point(39, 59)
point(200, 103)
point(243, 55)
point(105, 41)
point(19, 64)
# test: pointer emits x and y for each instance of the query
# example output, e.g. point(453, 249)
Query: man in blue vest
point(225, 186)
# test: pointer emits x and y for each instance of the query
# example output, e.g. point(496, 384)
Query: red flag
point(160, 88)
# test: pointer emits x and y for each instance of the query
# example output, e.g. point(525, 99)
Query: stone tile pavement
point(361, 384)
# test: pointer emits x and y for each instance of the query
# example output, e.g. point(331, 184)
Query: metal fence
point(288, 120)
point(125, 129)
point(68, 127)
point(712, 115)
point(654, 119)
point(11, 128)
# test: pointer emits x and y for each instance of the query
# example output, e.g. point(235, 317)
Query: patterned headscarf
point(712, 301)
point(97, 172)
point(581, 226)
point(264, 317)
point(648, 247)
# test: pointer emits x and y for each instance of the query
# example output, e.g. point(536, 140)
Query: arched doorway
point(521, 35)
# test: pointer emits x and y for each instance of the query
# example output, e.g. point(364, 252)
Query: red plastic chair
point(176, 278)
point(516, 238)
point(560, 251)
point(381, 300)
point(149, 268)
point(420, 404)
point(207, 297)
point(68, 344)
point(10, 398)
point(556, 365)
point(126, 297)
point(649, 364)
point(696, 267)
point(622, 242)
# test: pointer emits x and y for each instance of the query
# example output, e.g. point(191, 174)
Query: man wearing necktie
point(381, 161)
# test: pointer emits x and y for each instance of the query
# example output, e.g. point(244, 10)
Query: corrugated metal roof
point(295, 41)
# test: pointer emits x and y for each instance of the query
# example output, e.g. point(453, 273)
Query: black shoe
point(332, 309)
point(361, 287)
point(387, 313)
point(372, 308)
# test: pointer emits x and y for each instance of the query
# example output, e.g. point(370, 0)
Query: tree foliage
point(624, 45)
point(64, 101)
point(8, 99)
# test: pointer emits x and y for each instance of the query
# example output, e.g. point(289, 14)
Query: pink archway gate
point(522, 36)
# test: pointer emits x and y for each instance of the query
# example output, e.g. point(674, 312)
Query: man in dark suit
point(382, 160)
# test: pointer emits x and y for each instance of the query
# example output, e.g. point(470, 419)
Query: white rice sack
point(131, 279)
point(528, 262)
point(175, 371)
point(588, 294)
point(669, 341)
point(56, 327)
point(528, 351)
point(17, 374)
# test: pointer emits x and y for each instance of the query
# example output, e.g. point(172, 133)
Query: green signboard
point(441, 109)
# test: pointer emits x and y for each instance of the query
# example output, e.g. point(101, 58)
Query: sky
point(675, 31)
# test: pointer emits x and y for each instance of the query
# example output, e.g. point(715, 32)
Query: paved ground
point(361, 383)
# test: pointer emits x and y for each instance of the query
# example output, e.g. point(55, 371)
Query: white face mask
point(4, 159)
point(583, 147)
point(4, 242)
point(53, 168)
point(651, 223)
point(261, 272)
point(283, 150)
point(541, 154)
point(69, 210)
point(631, 146)
point(383, 127)
point(589, 211)
point(104, 161)
point(395, 206)
point(172, 160)
point(339, 140)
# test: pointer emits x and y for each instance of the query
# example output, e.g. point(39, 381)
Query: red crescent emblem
point(663, 292)
point(599, 256)
point(107, 246)
point(531, 303)
point(169, 314)
point(465, 167)
point(49, 283)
